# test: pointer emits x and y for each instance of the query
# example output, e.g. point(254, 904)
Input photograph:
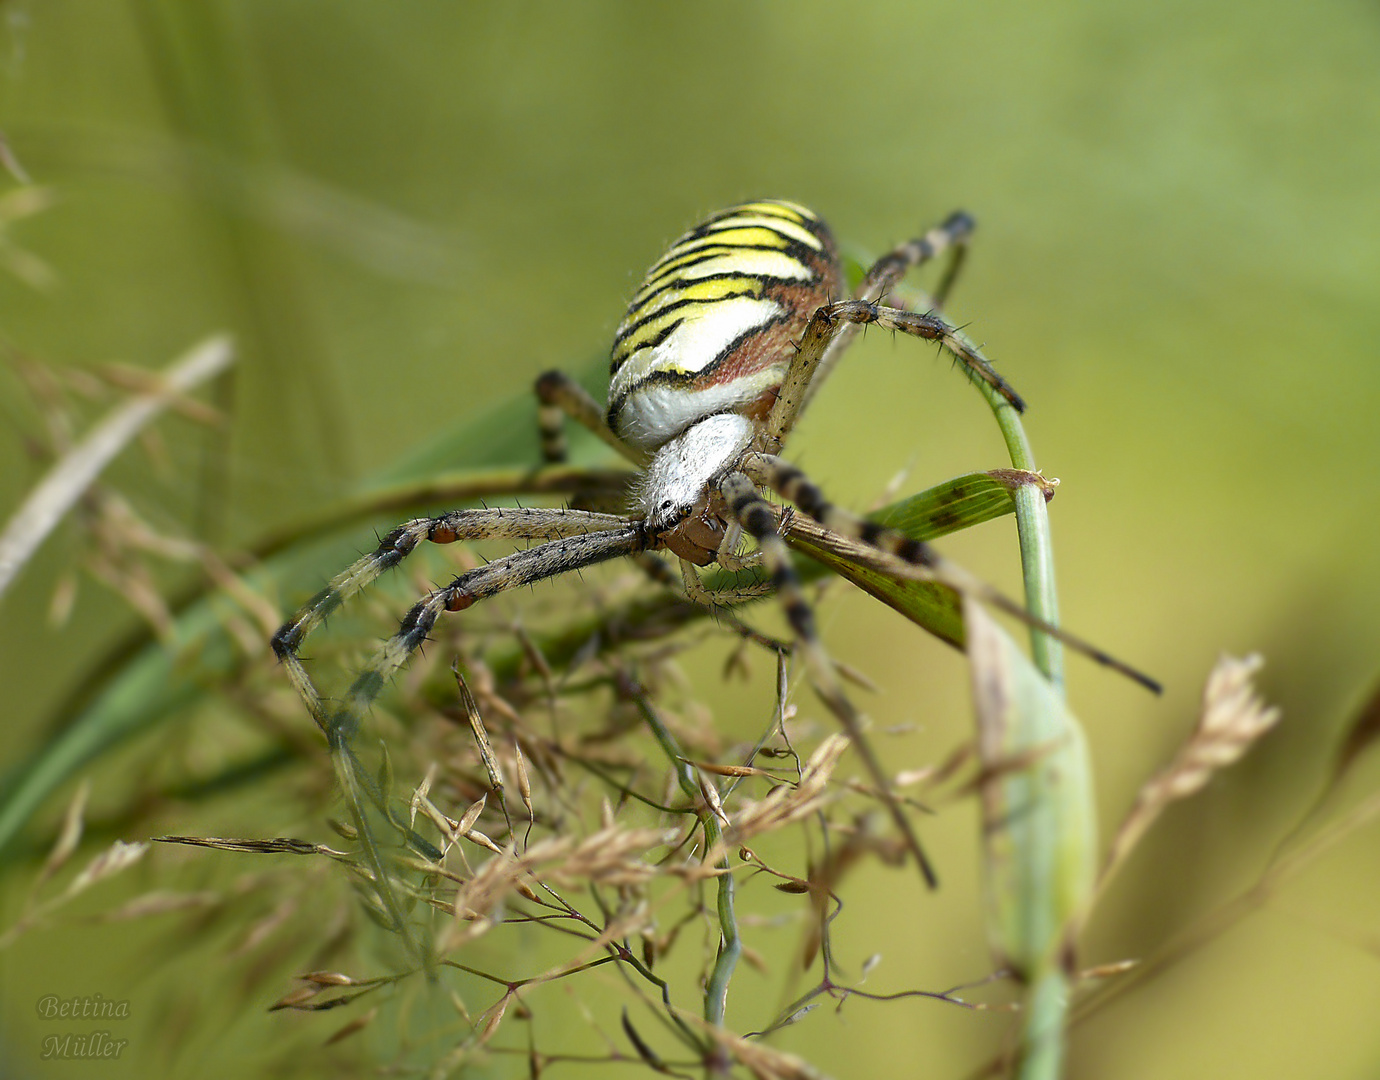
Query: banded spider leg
point(572, 539)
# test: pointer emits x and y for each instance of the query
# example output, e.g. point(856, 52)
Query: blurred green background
point(406, 211)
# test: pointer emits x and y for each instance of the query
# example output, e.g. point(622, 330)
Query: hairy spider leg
point(950, 236)
point(755, 514)
point(503, 523)
point(559, 396)
point(521, 568)
point(831, 319)
point(925, 562)
point(713, 599)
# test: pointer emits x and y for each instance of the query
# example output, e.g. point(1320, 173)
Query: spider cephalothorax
point(730, 334)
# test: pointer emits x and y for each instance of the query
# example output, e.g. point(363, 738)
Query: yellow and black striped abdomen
point(713, 326)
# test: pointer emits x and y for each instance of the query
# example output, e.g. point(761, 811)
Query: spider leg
point(727, 555)
point(728, 559)
point(506, 523)
point(830, 321)
point(916, 558)
point(695, 590)
point(713, 599)
point(655, 569)
point(835, 326)
point(755, 515)
point(887, 271)
point(558, 556)
point(792, 484)
point(559, 396)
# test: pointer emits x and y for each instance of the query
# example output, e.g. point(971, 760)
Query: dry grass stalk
point(1232, 718)
point(59, 491)
point(15, 206)
point(161, 902)
point(118, 857)
point(357, 1024)
point(272, 846)
point(12, 164)
point(329, 978)
point(68, 836)
point(613, 857)
point(524, 783)
point(481, 734)
point(765, 1062)
point(1362, 734)
point(731, 770)
point(784, 805)
point(609, 857)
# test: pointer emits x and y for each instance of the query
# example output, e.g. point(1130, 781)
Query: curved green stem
point(1047, 994)
point(1037, 552)
point(731, 945)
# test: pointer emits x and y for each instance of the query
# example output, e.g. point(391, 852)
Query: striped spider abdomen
point(715, 323)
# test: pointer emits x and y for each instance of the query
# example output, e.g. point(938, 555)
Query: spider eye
point(666, 504)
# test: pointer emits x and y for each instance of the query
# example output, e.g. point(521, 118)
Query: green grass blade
point(960, 503)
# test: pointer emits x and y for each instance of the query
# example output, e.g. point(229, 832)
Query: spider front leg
point(559, 396)
point(496, 524)
point(884, 275)
point(521, 568)
point(727, 557)
point(755, 515)
point(887, 271)
point(826, 325)
point(792, 484)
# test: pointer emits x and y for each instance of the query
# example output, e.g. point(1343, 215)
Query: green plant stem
point(1047, 994)
point(1047, 1008)
point(1037, 567)
point(1037, 552)
point(731, 945)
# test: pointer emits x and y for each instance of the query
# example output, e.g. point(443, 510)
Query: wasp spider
point(722, 347)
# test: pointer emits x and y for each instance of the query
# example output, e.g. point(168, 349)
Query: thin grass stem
point(1047, 996)
point(731, 945)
